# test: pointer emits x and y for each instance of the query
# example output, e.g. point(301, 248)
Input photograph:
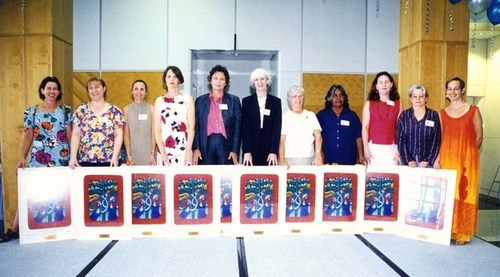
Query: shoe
point(9, 235)
point(460, 242)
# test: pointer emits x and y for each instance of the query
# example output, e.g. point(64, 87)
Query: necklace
point(380, 115)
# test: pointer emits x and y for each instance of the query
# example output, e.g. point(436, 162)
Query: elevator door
point(240, 65)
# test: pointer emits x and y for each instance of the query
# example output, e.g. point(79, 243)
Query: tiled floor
point(489, 220)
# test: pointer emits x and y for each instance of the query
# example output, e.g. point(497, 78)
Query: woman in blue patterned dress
point(47, 132)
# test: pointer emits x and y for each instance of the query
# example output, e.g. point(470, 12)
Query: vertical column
point(36, 40)
point(433, 46)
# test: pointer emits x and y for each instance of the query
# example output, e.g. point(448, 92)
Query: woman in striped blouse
point(419, 131)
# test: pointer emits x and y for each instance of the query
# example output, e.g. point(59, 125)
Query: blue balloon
point(454, 1)
point(493, 12)
point(479, 6)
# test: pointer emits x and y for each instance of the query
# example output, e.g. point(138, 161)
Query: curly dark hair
point(218, 68)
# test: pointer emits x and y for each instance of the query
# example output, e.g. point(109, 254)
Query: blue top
point(419, 140)
point(339, 136)
point(50, 146)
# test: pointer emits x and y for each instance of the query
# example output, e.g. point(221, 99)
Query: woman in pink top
point(380, 115)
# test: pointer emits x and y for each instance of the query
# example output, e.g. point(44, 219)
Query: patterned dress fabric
point(174, 127)
point(459, 151)
point(50, 145)
point(97, 133)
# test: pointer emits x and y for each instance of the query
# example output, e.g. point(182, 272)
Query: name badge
point(143, 116)
point(429, 123)
point(266, 112)
point(103, 119)
point(390, 102)
point(344, 122)
point(222, 106)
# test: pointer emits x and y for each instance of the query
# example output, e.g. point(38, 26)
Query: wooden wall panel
point(11, 18)
point(317, 85)
point(13, 103)
point(460, 31)
point(433, 67)
point(38, 17)
point(404, 24)
point(38, 63)
point(119, 85)
point(62, 20)
point(67, 77)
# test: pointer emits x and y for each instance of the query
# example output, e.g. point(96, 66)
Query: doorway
point(240, 65)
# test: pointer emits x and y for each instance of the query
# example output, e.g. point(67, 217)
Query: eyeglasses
point(418, 96)
point(300, 96)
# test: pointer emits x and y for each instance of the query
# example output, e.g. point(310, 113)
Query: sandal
point(9, 235)
point(460, 242)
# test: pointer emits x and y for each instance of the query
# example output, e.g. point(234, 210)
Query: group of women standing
point(180, 131)
point(422, 137)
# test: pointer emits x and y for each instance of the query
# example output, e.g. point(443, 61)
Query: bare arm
point(152, 159)
point(117, 146)
point(359, 146)
point(188, 159)
point(365, 123)
point(281, 157)
point(75, 143)
point(477, 121)
point(126, 138)
point(318, 142)
point(157, 130)
point(25, 147)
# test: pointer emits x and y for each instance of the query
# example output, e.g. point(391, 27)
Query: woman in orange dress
point(462, 128)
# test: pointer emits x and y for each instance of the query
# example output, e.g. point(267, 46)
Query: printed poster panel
point(105, 202)
point(149, 215)
point(193, 198)
point(301, 200)
point(261, 200)
point(342, 195)
point(45, 212)
point(193, 209)
point(427, 200)
point(381, 201)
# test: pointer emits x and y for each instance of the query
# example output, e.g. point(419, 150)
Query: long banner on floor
point(198, 201)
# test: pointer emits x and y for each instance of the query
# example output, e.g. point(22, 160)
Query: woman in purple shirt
point(419, 131)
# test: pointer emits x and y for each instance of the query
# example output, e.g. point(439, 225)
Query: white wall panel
point(194, 24)
point(85, 35)
point(383, 36)
point(271, 25)
point(334, 36)
point(134, 35)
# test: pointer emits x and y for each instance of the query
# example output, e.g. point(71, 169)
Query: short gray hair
point(260, 72)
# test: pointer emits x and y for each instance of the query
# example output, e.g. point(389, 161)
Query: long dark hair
point(393, 94)
point(331, 92)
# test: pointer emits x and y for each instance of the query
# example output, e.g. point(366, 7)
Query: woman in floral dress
point(174, 121)
point(97, 130)
point(47, 131)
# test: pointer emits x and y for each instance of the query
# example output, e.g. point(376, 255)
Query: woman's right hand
point(368, 156)
point(247, 159)
point(73, 163)
point(196, 156)
point(21, 164)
